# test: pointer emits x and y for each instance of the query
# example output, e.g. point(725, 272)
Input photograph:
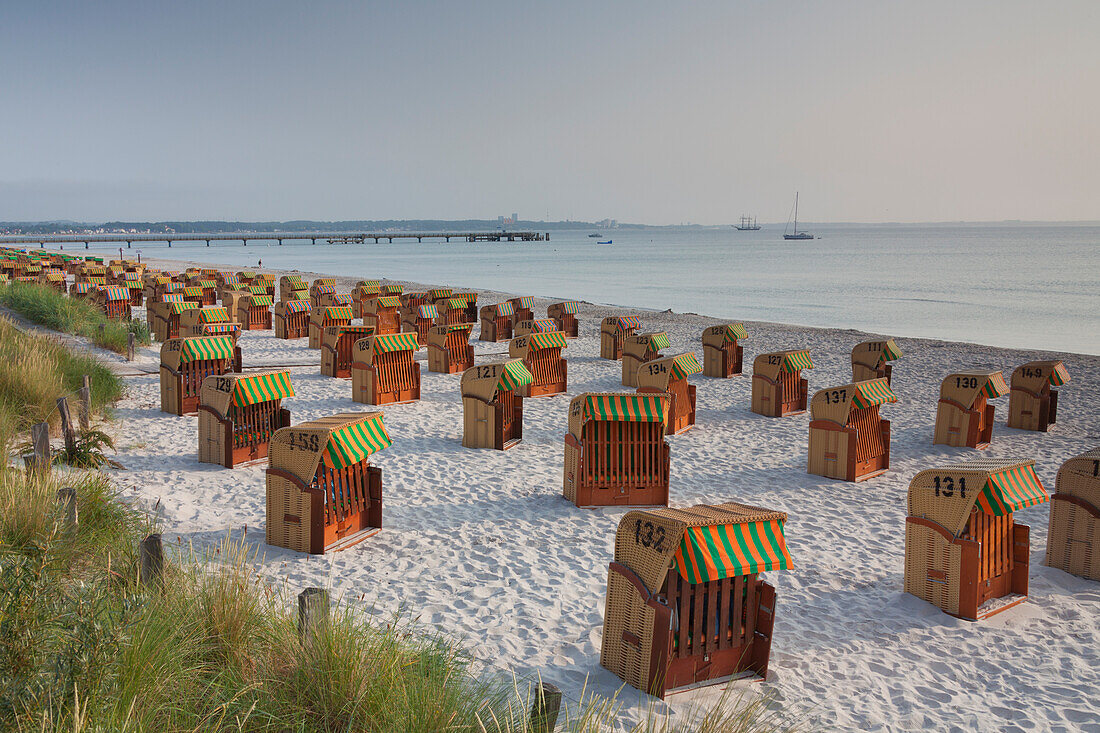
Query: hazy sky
point(645, 112)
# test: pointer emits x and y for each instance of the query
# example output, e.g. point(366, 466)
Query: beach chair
point(435, 295)
point(291, 319)
point(186, 362)
point(231, 300)
point(669, 375)
point(319, 287)
point(238, 414)
point(267, 280)
point(410, 304)
point(254, 312)
point(1073, 538)
point(615, 450)
point(449, 349)
point(194, 294)
point(848, 439)
point(113, 300)
point(52, 279)
point(871, 360)
point(524, 308)
point(496, 322)
point(1032, 404)
point(384, 370)
point(337, 347)
point(194, 322)
point(246, 276)
point(535, 325)
point(289, 285)
point(778, 388)
point(382, 314)
point(492, 404)
point(682, 608)
point(137, 292)
point(323, 494)
point(453, 310)
point(165, 315)
point(320, 319)
point(613, 330)
point(541, 354)
point(337, 299)
point(565, 313)
point(964, 419)
point(77, 291)
point(963, 551)
point(638, 350)
point(364, 291)
point(723, 355)
point(420, 320)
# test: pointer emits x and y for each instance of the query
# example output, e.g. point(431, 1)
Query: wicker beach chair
point(291, 319)
point(238, 414)
point(778, 388)
point(449, 349)
point(254, 312)
point(670, 374)
point(419, 321)
point(290, 286)
point(492, 404)
point(113, 300)
point(871, 360)
point(565, 314)
point(1073, 538)
point(640, 349)
point(848, 439)
point(1032, 404)
point(535, 325)
point(384, 370)
point(320, 319)
point(496, 322)
point(541, 354)
point(383, 313)
point(613, 330)
point(723, 355)
point(186, 362)
point(524, 307)
point(338, 347)
point(964, 419)
point(319, 287)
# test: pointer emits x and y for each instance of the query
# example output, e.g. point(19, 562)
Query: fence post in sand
point(66, 497)
point(313, 609)
point(85, 394)
point(40, 439)
point(544, 711)
point(151, 554)
point(67, 427)
point(130, 346)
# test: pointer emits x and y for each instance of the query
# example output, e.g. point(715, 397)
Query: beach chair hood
point(772, 364)
point(836, 403)
point(660, 372)
point(946, 495)
point(482, 382)
point(521, 346)
point(221, 392)
point(617, 406)
point(965, 387)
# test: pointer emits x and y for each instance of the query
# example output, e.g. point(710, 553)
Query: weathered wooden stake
point(313, 610)
point(544, 712)
point(40, 439)
point(152, 560)
point(66, 497)
point(130, 347)
point(67, 427)
point(86, 403)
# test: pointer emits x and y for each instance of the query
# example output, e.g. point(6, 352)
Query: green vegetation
point(52, 309)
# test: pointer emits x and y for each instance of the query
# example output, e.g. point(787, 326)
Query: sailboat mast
point(796, 212)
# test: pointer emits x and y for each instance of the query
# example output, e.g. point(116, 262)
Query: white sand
point(481, 545)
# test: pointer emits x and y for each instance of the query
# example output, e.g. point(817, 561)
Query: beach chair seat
point(541, 354)
point(1073, 537)
point(449, 349)
point(1032, 403)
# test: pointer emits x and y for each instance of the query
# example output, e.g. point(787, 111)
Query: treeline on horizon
point(301, 225)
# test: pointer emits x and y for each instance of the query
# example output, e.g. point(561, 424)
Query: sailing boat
point(748, 224)
point(797, 234)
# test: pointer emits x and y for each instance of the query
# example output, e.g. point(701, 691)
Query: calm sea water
point(1028, 286)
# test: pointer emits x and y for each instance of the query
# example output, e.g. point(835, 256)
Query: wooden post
point(313, 608)
point(40, 439)
point(86, 403)
point(66, 497)
point(151, 554)
point(544, 712)
point(67, 427)
point(130, 346)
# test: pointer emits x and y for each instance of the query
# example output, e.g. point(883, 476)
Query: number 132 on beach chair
point(685, 602)
point(1073, 540)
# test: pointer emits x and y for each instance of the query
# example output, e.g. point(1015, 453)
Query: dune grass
point(52, 309)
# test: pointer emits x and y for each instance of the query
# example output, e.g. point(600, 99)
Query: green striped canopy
point(370, 283)
point(554, 339)
point(515, 375)
point(354, 443)
point(214, 329)
point(526, 301)
point(544, 325)
point(995, 386)
point(131, 276)
point(796, 360)
point(341, 299)
point(890, 351)
point(200, 348)
point(1011, 490)
point(338, 313)
point(388, 301)
point(735, 331)
point(395, 342)
point(114, 292)
point(135, 286)
point(427, 311)
point(626, 407)
point(456, 303)
point(257, 289)
point(438, 293)
point(1059, 375)
point(393, 289)
point(264, 300)
point(192, 292)
point(298, 306)
point(570, 306)
point(505, 309)
point(177, 308)
point(872, 392)
point(452, 327)
point(262, 388)
point(293, 278)
point(214, 314)
point(659, 341)
point(718, 551)
point(684, 365)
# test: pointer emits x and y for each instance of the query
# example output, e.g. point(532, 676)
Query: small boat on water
point(607, 242)
point(594, 236)
point(796, 234)
point(748, 224)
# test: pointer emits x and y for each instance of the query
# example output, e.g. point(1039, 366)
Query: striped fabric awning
point(298, 306)
point(626, 407)
point(659, 341)
point(427, 311)
point(231, 280)
point(265, 277)
point(452, 327)
point(257, 289)
point(115, 292)
point(718, 551)
point(526, 301)
point(322, 289)
point(995, 386)
point(200, 348)
point(631, 322)
point(456, 303)
point(515, 375)
point(97, 280)
point(293, 278)
point(214, 314)
point(370, 283)
point(135, 285)
point(505, 309)
point(79, 288)
point(874, 392)
point(684, 365)
point(395, 342)
point(177, 308)
point(171, 298)
point(220, 329)
point(261, 300)
point(131, 276)
point(55, 276)
point(438, 293)
point(354, 443)
point(547, 340)
point(208, 284)
point(341, 299)
point(392, 289)
point(369, 291)
point(1011, 490)
point(192, 292)
point(338, 313)
point(262, 388)
point(544, 325)
point(797, 360)
point(1058, 375)
point(735, 331)
point(570, 306)
point(388, 301)
point(889, 352)
point(174, 287)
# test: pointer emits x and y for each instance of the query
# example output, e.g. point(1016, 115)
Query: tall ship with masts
point(748, 224)
point(795, 234)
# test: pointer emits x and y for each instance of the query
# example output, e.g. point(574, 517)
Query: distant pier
point(245, 237)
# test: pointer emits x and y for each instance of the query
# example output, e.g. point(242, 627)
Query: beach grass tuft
point(48, 307)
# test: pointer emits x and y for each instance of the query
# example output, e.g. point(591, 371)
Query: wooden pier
point(42, 240)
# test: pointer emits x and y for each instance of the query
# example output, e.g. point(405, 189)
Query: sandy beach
point(480, 544)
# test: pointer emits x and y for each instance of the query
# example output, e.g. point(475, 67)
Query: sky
point(648, 112)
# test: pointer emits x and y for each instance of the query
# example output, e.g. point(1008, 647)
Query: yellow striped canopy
point(213, 314)
point(438, 293)
point(395, 342)
point(684, 365)
point(353, 443)
point(872, 392)
point(200, 348)
point(796, 360)
point(1011, 490)
point(547, 340)
point(626, 407)
point(177, 308)
point(262, 388)
point(718, 551)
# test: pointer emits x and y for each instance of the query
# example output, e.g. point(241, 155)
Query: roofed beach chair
point(723, 355)
point(778, 388)
point(964, 419)
point(848, 439)
point(238, 415)
point(871, 360)
point(670, 374)
point(1032, 404)
point(492, 404)
point(384, 370)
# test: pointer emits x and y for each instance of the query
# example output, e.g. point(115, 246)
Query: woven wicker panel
point(949, 501)
point(1073, 543)
point(964, 387)
point(932, 567)
point(1035, 375)
point(217, 392)
point(771, 364)
point(625, 610)
point(873, 354)
point(836, 403)
point(437, 335)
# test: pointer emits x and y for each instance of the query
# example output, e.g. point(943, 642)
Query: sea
point(1034, 286)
